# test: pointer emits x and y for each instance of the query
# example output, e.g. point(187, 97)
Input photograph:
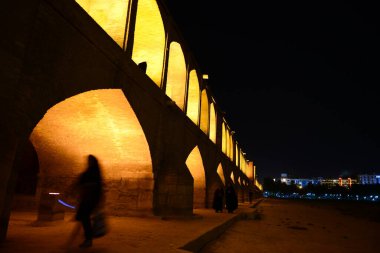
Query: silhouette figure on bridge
point(143, 66)
point(217, 203)
point(231, 198)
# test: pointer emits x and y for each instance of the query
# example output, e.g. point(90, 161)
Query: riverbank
point(284, 226)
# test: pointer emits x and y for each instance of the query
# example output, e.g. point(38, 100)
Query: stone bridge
point(112, 78)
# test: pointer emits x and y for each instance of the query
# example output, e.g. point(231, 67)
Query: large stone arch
point(204, 120)
point(193, 97)
point(176, 75)
point(194, 163)
point(228, 143)
point(149, 39)
point(212, 123)
point(237, 155)
point(224, 140)
point(99, 122)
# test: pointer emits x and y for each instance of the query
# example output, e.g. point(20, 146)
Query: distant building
point(369, 178)
point(300, 182)
point(303, 182)
point(346, 182)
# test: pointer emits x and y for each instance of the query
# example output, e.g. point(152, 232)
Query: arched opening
point(241, 160)
point(111, 15)
point(224, 147)
point(231, 148)
point(102, 123)
point(204, 112)
point(194, 163)
point(212, 123)
point(149, 39)
point(236, 154)
point(232, 177)
point(228, 149)
point(193, 97)
point(176, 78)
point(221, 173)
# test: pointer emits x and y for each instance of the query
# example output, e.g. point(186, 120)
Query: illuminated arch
point(102, 123)
point(231, 148)
point(244, 166)
point(223, 138)
point(193, 97)
point(232, 177)
point(221, 173)
point(194, 163)
point(204, 112)
point(176, 78)
point(212, 123)
point(149, 39)
point(241, 160)
point(111, 15)
point(236, 155)
point(227, 142)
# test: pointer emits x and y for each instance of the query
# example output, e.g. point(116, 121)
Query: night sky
point(297, 80)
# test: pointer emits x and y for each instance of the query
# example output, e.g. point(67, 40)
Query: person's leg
point(86, 222)
point(74, 233)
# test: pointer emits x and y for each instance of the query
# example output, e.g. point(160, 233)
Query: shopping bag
point(99, 224)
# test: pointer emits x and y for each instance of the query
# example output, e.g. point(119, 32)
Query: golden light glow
point(228, 149)
point(258, 185)
point(231, 148)
point(249, 171)
point(194, 163)
point(236, 155)
point(224, 138)
point(205, 76)
point(220, 173)
point(232, 177)
point(99, 122)
point(111, 15)
point(204, 112)
point(149, 39)
point(176, 79)
point(102, 123)
point(241, 160)
point(193, 98)
point(212, 123)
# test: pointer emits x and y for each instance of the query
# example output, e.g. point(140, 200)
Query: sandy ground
point(304, 226)
point(127, 234)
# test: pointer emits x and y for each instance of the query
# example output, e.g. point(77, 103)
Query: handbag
point(99, 224)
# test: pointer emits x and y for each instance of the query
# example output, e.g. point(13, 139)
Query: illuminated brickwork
point(72, 84)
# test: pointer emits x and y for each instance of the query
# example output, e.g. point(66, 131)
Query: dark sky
point(298, 80)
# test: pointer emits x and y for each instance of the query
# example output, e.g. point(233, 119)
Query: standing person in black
point(217, 203)
point(231, 198)
point(90, 190)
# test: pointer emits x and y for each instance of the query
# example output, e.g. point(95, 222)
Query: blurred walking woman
point(91, 193)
